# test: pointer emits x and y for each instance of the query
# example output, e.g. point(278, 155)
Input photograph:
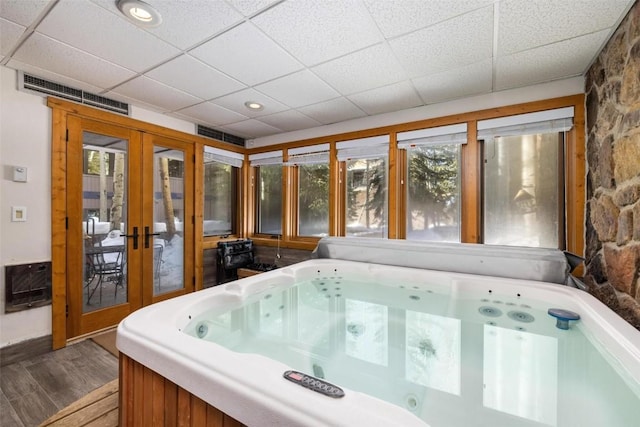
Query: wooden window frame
point(470, 180)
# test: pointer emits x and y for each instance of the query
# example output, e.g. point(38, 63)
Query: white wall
point(25, 140)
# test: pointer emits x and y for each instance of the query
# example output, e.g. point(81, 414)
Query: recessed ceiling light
point(252, 105)
point(140, 12)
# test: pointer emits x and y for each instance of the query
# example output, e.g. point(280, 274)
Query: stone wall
point(613, 178)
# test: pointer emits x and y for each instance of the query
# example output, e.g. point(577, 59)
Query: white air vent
point(219, 135)
point(29, 83)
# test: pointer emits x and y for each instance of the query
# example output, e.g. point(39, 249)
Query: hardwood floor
point(34, 389)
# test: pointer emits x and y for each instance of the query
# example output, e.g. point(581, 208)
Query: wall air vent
point(31, 83)
point(220, 136)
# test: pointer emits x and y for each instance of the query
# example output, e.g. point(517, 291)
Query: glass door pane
point(168, 219)
point(104, 218)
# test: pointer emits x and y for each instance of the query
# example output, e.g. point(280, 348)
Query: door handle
point(147, 235)
point(135, 236)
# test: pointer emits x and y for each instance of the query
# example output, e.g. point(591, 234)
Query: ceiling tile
point(363, 70)
point(524, 25)
point(192, 76)
point(251, 129)
point(250, 7)
point(46, 53)
point(298, 89)
point(246, 53)
point(54, 77)
point(290, 120)
point(9, 35)
point(333, 111)
point(402, 17)
point(187, 23)
point(120, 42)
point(551, 62)
point(451, 44)
point(22, 12)
point(451, 84)
point(395, 97)
point(314, 31)
point(211, 114)
point(235, 102)
point(156, 93)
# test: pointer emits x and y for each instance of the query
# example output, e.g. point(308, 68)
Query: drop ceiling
point(308, 62)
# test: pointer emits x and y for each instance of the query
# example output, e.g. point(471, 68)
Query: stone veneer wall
point(613, 179)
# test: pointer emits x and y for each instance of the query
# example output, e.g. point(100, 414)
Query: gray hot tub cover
point(539, 264)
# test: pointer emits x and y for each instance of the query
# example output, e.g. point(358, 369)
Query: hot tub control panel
point(313, 383)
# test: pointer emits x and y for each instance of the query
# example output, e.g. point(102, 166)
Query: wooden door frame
point(61, 109)
point(79, 322)
point(149, 141)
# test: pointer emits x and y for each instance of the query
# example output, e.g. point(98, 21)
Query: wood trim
point(393, 189)
point(58, 228)
point(198, 226)
point(147, 398)
point(471, 188)
point(575, 191)
point(134, 124)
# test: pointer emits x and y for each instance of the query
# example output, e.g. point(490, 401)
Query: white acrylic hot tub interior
point(440, 349)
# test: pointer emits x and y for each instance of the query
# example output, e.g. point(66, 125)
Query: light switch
point(19, 174)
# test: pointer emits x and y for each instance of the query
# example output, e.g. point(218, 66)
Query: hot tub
point(407, 343)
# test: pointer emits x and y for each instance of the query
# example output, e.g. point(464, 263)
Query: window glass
point(366, 201)
point(433, 187)
point(220, 199)
point(269, 199)
point(522, 190)
point(313, 200)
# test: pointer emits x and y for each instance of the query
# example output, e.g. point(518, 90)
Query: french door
point(129, 222)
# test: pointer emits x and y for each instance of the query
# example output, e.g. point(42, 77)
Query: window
point(221, 172)
point(433, 182)
point(312, 168)
point(268, 192)
point(524, 178)
point(366, 198)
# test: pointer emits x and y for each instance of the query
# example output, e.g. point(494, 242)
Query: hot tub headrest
point(539, 264)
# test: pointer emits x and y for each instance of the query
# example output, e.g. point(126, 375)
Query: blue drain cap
point(563, 317)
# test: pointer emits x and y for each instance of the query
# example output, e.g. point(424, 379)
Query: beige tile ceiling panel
point(156, 93)
point(251, 7)
point(401, 17)
point(395, 97)
point(333, 111)
point(251, 128)
point(366, 69)
point(44, 52)
point(9, 34)
point(235, 102)
point(211, 114)
point(533, 23)
point(548, 62)
point(187, 23)
point(193, 77)
point(451, 44)
point(313, 32)
point(246, 53)
point(106, 35)
point(298, 89)
point(472, 79)
point(22, 12)
point(54, 77)
point(290, 120)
